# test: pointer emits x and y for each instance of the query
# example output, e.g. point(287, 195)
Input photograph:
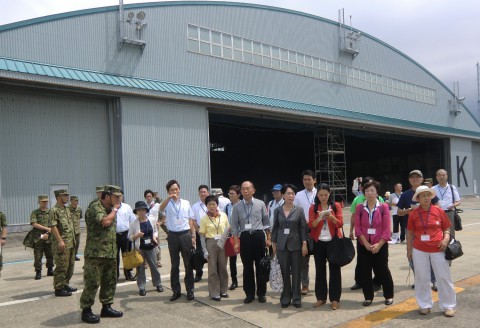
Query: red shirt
point(334, 229)
point(434, 226)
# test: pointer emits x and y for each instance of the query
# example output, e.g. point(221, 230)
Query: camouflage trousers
point(98, 272)
point(77, 243)
point(64, 265)
point(1, 261)
point(39, 250)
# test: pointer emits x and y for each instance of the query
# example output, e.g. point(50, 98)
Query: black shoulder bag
point(457, 221)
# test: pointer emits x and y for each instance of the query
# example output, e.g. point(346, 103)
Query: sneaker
point(434, 287)
point(398, 241)
point(425, 311)
point(450, 313)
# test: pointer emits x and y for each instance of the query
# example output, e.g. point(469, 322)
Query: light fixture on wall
point(457, 101)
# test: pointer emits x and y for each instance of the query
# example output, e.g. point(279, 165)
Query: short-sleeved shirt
point(445, 195)
point(101, 241)
point(178, 215)
point(254, 213)
point(359, 200)
point(213, 226)
point(77, 214)
point(406, 201)
point(3, 221)
point(59, 216)
point(199, 211)
point(41, 217)
point(433, 225)
point(394, 198)
point(305, 199)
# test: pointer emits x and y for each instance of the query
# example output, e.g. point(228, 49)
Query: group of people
point(294, 225)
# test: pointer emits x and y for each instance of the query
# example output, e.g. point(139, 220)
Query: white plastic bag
point(276, 279)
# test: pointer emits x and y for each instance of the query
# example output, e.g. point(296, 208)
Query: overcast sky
point(441, 35)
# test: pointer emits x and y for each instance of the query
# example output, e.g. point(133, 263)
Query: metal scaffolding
point(330, 162)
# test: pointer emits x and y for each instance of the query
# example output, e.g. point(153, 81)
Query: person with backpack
point(372, 228)
point(325, 220)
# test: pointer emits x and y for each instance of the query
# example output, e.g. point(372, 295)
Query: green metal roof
point(77, 74)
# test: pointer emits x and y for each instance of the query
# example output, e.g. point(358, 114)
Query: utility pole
point(478, 88)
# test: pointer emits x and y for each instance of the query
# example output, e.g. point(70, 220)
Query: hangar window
point(204, 35)
point(224, 45)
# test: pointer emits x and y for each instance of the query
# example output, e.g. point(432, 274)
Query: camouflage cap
point(43, 198)
point(74, 198)
point(61, 192)
point(99, 188)
point(428, 180)
point(114, 190)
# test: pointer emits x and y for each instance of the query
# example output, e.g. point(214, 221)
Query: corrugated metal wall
point(163, 141)
point(476, 167)
point(50, 139)
point(91, 42)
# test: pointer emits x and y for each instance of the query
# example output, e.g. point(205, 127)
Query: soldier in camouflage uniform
point(100, 269)
point(76, 213)
point(3, 238)
point(61, 225)
point(98, 191)
point(39, 219)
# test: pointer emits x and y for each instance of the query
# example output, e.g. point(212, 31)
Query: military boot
point(108, 312)
point(38, 274)
point(89, 317)
point(50, 272)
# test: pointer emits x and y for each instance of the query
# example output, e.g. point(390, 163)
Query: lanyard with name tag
point(371, 230)
point(425, 236)
point(217, 236)
point(177, 211)
point(286, 231)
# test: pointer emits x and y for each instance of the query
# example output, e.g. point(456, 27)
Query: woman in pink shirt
point(372, 228)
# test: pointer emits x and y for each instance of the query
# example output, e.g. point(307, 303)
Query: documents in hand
point(324, 213)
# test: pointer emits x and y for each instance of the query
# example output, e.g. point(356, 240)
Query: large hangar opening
point(270, 151)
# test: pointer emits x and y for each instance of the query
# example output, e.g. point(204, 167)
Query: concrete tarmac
point(25, 302)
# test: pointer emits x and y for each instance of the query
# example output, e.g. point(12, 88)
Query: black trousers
point(252, 250)
point(335, 275)
point(123, 245)
point(399, 220)
point(199, 272)
point(379, 263)
point(233, 268)
point(358, 270)
point(180, 243)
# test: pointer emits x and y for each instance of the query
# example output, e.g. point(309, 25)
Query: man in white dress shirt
point(447, 200)
point(305, 199)
point(200, 210)
point(124, 217)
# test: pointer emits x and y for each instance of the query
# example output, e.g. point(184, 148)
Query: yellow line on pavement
point(378, 317)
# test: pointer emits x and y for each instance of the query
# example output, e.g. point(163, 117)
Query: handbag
point(132, 259)
point(340, 251)
point(453, 250)
point(29, 240)
point(276, 279)
point(197, 259)
point(457, 220)
point(264, 267)
point(230, 246)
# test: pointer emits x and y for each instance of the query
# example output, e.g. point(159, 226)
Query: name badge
point(248, 226)
point(371, 231)
point(425, 237)
point(217, 237)
point(147, 241)
point(286, 231)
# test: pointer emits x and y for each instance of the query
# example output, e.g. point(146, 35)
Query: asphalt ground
point(25, 302)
